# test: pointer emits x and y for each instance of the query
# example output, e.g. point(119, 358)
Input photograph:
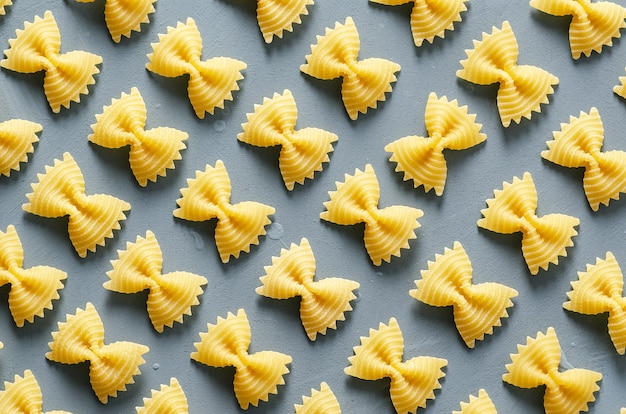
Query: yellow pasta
point(522, 89)
point(421, 158)
point(621, 88)
point(38, 48)
point(61, 192)
point(320, 402)
point(324, 302)
point(477, 308)
point(430, 18)
point(23, 396)
point(171, 295)
point(123, 17)
point(302, 152)
point(3, 4)
point(335, 55)
point(17, 137)
point(226, 344)
point(111, 366)
point(170, 399)
point(123, 123)
point(277, 16)
point(537, 364)
point(598, 290)
point(387, 230)
point(593, 24)
point(478, 405)
point(380, 356)
point(238, 225)
point(579, 144)
point(513, 209)
point(211, 82)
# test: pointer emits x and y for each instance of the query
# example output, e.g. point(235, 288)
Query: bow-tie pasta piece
point(3, 4)
point(302, 152)
point(277, 16)
point(323, 303)
point(335, 55)
point(238, 225)
point(387, 230)
point(152, 151)
point(61, 192)
point(380, 356)
point(598, 290)
point(211, 82)
point(537, 364)
point(17, 137)
point(23, 396)
point(170, 399)
point(421, 158)
point(477, 308)
point(171, 295)
point(478, 405)
point(320, 402)
point(579, 144)
point(513, 210)
point(226, 344)
point(123, 17)
point(522, 89)
point(38, 48)
point(593, 24)
point(81, 339)
point(430, 18)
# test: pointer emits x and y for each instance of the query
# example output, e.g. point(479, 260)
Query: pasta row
point(275, 16)
point(478, 405)
point(124, 17)
point(17, 137)
point(320, 402)
point(23, 396)
point(170, 399)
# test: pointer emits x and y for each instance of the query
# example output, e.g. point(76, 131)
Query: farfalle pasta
point(478, 308)
point(211, 82)
point(3, 4)
point(111, 366)
point(387, 230)
point(170, 296)
point(430, 18)
point(23, 396)
point(320, 402)
point(513, 210)
point(61, 192)
point(579, 144)
point(37, 48)
point(478, 405)
point(302, 151)
point(379, 356)
point(170, 399)
point(522, 89)
point(152, 151)
point(335, 55)
point(238, 225)
point(17, 137)
point(537, 364)
point(276, 16)
point(124, 17)
point(323, 303)
point(421, 158)
point(226, 344)
point(593, 25)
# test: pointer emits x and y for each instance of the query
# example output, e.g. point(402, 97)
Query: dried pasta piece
point(320, 402)
point(523, 88)
point(152, 151)
point(111, 366)
point(335, 55)
point(23, 396)
point(477, 308)
point(32, 290)
point(123, 17)
point(61, 192)
point(226, 344)
point(3, 4)
point(170, 399)
point(593, 24)
point(277, 16)
point(238, 225)
point(324, 302)
point(38, 47)
point(17, 137)
point(430, 18)
point(421, 158)
point(598, 290)
point(621, 88)
point(302, 152)
point(387, 230)
point(478, 405)
point(513, 209)
point(537, 364)
point(380, 356)
point(579, 144)
point(171, 295)
point(211, 82)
